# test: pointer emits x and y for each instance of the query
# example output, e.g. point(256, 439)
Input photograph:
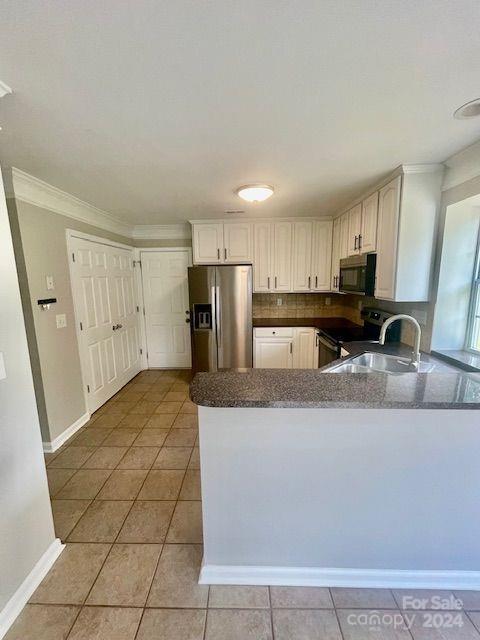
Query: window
point(473, 330)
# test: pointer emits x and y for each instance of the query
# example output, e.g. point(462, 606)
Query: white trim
point(161, 232)
point(34, 191)
point(50, 447)
point(324, 577)
point(71, 233)
point(14, 606)
point(246, 218)
point(4, 89)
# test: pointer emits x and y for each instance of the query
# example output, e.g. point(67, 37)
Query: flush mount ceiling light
point(468, 110)
point(4, 89)
point(255, 192)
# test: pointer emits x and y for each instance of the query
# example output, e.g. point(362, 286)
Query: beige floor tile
point(227, 624)
point(162, 484)
point(470, 599)
point(168, 407)
point(106, 623)
point(373, 624)
point(186, 421)
point(121, 438)
point(132, 396)
point(176, 579)
point(172, 624)
point(72, 458)
point(73, 574)
point(106, 420)
point(363, 598)
point(191, 486)
point(301, 597)
point(144, 407)
point(43, 622)
point(307, 624)
point(421, 627)
point(155, 395)
point(101, 522)
point(181, 438)
point(123, 485)
point(84, 485)
point(186, 525)
point(57, 478)
point(195, 459)
point(151, 438)
point(429, 598)
point(147, 522)
point(92, 437)
point(126, 576)
point(105, 458)
point(160, 421)
point(66, 514)
point(189, 407)
point(173, 458)
point(120, 408)
point(139, 458)
point(141, 387)
point(175, 396)
point(233, 597)
point(133, 421)
point(180, 385)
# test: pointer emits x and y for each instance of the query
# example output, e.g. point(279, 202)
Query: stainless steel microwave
point(357, 274)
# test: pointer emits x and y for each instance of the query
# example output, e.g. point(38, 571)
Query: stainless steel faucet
point(418, 334)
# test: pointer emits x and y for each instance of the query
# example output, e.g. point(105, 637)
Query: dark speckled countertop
point(449, 388)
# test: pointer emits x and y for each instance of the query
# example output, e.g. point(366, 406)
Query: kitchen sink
point(371, 361)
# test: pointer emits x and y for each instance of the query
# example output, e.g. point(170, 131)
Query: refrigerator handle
point(218, 316)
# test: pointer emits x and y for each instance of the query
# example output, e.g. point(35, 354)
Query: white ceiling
point(155, 111)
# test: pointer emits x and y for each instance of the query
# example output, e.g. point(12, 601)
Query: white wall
point(26, 524)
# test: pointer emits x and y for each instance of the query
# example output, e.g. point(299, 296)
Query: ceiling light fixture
point(4, 89)
point(468, 110)
point(255, 192)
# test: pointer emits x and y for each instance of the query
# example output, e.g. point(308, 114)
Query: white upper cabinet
point(282, 256)
point(238, 242)
point(302, 256)
point(368, 229)
point(207, 241)
point(344, 236)
point(322, 255)
point(262, 256)
point(354, 225)
point(387, 234)
point(337, 230)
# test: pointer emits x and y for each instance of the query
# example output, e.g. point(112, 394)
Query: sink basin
point(371, 361)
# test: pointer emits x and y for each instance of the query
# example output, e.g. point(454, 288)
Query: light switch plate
point(3, 373)
point(328, 302)
point(50, 283)
point(61, 320)
point(279, 302)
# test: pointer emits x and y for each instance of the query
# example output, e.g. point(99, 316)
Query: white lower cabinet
point(285, 348)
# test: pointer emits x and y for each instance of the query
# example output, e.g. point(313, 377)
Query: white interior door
point(105, 302)
point(165, 291)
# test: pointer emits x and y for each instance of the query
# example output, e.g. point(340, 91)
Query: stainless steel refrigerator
point(221, 316)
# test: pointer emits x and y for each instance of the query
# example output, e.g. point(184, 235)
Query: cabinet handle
point(218, 254)
point(355, 245)
point(291, 347)
point(309, 282)
point(359, 242)
point(275, 282)
point(225, 253)
point(316, 282)
point(268, 282)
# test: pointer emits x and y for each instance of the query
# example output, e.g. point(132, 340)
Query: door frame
point(71, 234)
point(143, 325)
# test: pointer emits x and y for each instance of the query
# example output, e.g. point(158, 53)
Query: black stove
point(331, 340)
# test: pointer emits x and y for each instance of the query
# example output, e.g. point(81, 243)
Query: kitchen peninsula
point(360, 480)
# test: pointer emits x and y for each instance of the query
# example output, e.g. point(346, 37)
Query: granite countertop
point(449, 388)
point(318, 323)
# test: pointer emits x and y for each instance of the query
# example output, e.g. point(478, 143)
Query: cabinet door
point(368, 233)
point(282, 256)
point(304, 348)
point(344, 236)
point(208, 243)
point(387, 237)
point(322, 255)
point(273, 353)
point(263, 256)
point(336, 254)
point(302, 256)
point(237, 242)
point(354, 225)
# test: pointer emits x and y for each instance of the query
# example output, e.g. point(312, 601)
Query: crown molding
point(27, 188)
point(161, 232)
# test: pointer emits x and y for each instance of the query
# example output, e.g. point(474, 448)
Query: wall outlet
point(420, 316)
point(279, 302)
point(50, 283)
point(61, 319)
point(328, 302)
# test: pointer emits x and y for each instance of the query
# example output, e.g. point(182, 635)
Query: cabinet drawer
point(273, 332)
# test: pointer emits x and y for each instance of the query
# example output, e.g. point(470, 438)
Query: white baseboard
point(50, 447)
point(319, 577)
point(21, 596)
